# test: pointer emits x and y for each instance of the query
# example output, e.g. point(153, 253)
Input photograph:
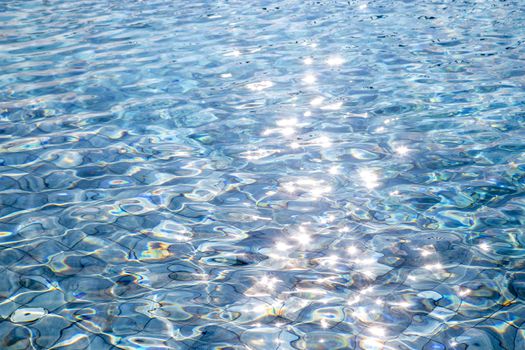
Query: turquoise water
point(262, 175)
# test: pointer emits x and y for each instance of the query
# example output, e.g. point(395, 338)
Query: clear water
point(262, 175)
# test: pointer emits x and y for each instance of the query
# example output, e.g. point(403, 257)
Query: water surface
point(262, 174)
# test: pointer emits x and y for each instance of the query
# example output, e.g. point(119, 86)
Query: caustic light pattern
point(262, 175)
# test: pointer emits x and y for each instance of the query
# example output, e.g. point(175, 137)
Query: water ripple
point(286, 175)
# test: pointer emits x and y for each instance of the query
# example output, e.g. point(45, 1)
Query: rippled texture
point(262, 175)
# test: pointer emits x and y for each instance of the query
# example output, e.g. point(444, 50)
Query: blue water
point(262, 174)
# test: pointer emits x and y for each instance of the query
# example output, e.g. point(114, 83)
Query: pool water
point(262, 174)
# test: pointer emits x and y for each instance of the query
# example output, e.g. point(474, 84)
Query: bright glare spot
point(432, 267)
point(484, 246)
point(464, 292)
point(287, 122)
point(268, 282)
point(287, 131)
point(367, 290)
point(355, 300)
point(332, 259)
point(333, 107)
point(260, 86)
point(403, 304)
point(324, 323)
point(335, 61)
point(303, 238)
point(308, 61)
point(307, 114)
point(289, 187)
point(365, 261)
point(257, 341)
point(372, 344)
point(377, 331)
point(352, 250)
point(402, 150)
point(295, 145)
point(334, 170)
point(324, 141)
point(317, 101)
point(258, 154)
point(363, 6)
point(425, 252)
point(226, 75)
point(360, 313)
point(369, 177)
point(235, 53)
point(319, 191)
point(309, 79)
point(282, 246)
point(259, 309)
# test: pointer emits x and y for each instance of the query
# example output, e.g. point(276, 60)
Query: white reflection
point(335, 61)
point(434, 267)
point(260, 85)
point(258, 154)
point(309, 79)
point(226, 75)
point(464, 292)
point(352, 250)
point(268, 282)
point(402, 304)
point(377, 331)
point(287, 122)
point(289, 187)
point(287, 131)
point(426, 252)
point(484, 246)
point(365, 261)
point(282, 246)
point(307, 114)
point(302, 237)
point(369, 177)
point(402, 150)
point(334, 170)
point(355, 300)
point(333, 107)
point(308, 61)
point(317, 101)
point(319, 191)
point(324, 141)
point(235, 53)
